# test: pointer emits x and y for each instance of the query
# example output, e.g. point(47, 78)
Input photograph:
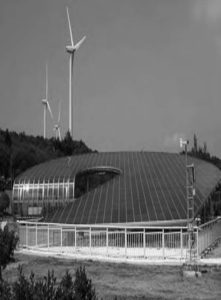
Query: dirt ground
point(126, 281)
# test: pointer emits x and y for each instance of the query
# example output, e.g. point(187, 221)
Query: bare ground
point(126, 281)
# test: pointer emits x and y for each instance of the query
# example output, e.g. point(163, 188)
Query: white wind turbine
point(46, 103)
point(57, 126)
point(71, 50)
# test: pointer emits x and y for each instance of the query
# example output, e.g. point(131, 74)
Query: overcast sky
point(147, 73)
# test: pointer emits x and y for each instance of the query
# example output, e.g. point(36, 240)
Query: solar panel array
point(150, 187)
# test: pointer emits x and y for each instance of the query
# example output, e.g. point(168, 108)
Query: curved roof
point(150, 187)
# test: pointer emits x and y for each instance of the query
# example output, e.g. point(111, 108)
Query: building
point(146, 188)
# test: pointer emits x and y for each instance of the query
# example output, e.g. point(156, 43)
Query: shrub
point(8, 242)
point(5, 291)
point(45, 289)
point(83, 286)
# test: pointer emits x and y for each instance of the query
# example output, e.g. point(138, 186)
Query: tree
point(19, 152)
point(4, 201)
point(8, 242)
point(8, 140)
point(195, 144)
point(68, 144)
point(204, 148)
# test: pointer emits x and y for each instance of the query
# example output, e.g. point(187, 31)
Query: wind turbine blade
point(77, 46)
point(59, 133)
point(46, 81)
point(59, 112)
point(49, 108)
point(69, 24)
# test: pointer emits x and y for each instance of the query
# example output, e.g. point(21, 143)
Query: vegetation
point(47, 289)
point(4, 202)
point(19, 152)
point(203, 153)
point(39, 289)
point(8, 242)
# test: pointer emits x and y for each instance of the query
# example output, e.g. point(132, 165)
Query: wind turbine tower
point(57, 126)
point(46, 104)
point(71, 50)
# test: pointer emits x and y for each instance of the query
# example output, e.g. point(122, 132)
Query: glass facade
point(29, 196)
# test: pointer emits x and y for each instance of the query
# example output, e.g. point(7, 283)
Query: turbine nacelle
point(45, 102)
point(183, 143)
point(72, 48)
point(56, 127)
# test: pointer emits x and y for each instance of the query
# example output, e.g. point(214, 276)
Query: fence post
point(36, 234)
point(125, 240)
point(197, 242)
point(48, 236)
point(107, 240)
point(144, 243)
point(26, 235)
point(75, 238)
point(181, 243)
point(61, 237)
point(90, 239)
point(163, 243)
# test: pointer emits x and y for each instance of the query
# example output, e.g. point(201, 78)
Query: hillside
point(19, 152)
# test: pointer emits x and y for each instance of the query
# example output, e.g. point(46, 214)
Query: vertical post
point(36, 234)
point(107, 239)
point(125, 240)
point(26, 235)
point(48, 237)
point(190, 193)
point(163, 243)
point(90, 239)
point(61, 237)
point(144, 243)
point(197, 242)
point(75, 238)
point(181, 243)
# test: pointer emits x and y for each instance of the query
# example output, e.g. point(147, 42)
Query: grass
point(126, 281)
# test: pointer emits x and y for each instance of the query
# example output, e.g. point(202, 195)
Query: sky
point(148, 73)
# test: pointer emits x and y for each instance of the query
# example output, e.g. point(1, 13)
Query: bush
point(5, 290)
point(8, 242)
point(83, 286)
point(46, 289)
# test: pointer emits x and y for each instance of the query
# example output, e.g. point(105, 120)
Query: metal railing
point(107, 241)
point(208, 233)
point(118, 241)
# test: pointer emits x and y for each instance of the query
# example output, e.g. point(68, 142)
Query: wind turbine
point(46, 103)
point(57, 126)
point(71, 50)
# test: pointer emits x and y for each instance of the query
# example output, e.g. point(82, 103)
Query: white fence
point(107, 241)
point(118, 241)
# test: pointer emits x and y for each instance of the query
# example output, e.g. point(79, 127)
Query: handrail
point(210, 222)
point(101, 225)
